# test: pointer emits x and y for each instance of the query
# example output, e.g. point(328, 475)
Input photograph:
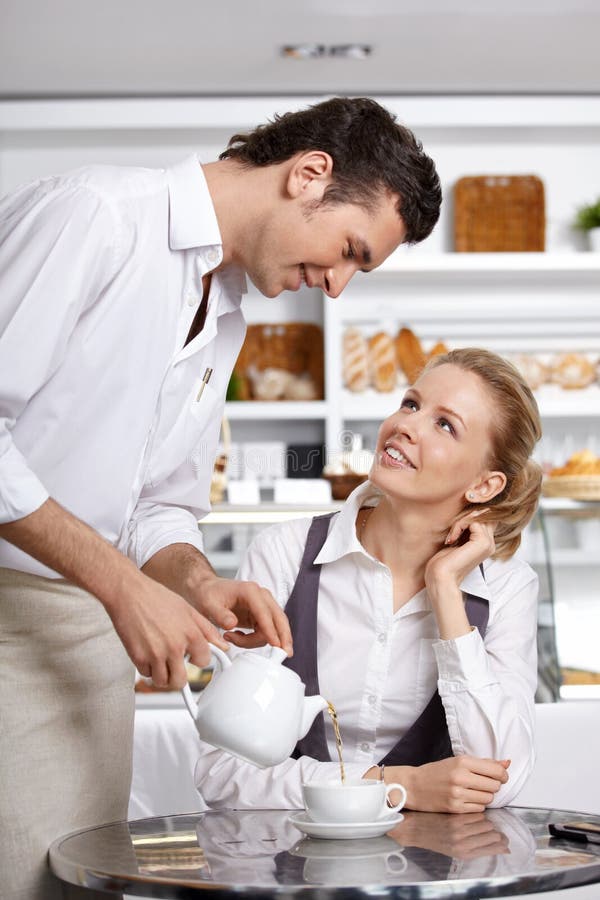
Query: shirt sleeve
point(59, 246)
point(154, 526)
point(488, 686)
point(272, 560)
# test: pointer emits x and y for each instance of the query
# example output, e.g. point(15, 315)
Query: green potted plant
point(587, 219)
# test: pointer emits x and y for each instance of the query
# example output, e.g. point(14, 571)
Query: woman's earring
point(470, 495)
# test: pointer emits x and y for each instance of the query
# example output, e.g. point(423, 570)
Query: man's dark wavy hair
point(372, 154)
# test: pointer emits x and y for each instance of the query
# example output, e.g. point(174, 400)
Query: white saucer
point(345, 831)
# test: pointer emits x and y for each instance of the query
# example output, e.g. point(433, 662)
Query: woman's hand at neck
point(422, 553)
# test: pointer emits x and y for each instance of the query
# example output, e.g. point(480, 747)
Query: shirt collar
point(342, 538)
point(192, 216)
point(193, 225)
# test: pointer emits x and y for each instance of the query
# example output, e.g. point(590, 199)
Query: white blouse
point(381, 668)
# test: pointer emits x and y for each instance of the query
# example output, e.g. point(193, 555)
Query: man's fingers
point(215, 610)
point(177, 674)
point(271, 620)
point(246, 641)
point(159, 673)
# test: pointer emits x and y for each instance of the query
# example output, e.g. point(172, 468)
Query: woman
point(408, 609)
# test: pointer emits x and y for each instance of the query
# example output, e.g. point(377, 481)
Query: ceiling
point(195, 47)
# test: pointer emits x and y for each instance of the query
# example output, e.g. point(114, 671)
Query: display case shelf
point(553, 402)
point(463, 264)
point(255, 410)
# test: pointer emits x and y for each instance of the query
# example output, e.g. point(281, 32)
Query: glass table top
point(262, 853)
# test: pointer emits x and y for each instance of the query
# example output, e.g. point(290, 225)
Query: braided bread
point(355, 360)
point(382, 362)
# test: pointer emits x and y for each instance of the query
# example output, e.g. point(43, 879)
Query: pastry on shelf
point(300, 387)
point(409, 354)
point(437, 350)
point(578, 479)
point(382, 362)
point(573, 371)
point(584, 462)
point(355, 360)
point(534, 371)
point(270, 384)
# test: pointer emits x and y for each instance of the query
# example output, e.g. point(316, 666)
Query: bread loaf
point(409, 354)
point(382, 362)
point(573, 371)
point(437, 350)
point(355, 360)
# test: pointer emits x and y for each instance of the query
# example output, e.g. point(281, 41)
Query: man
point(120, 324)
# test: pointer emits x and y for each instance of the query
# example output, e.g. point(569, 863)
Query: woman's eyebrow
point(453, 413)
point(412, 391)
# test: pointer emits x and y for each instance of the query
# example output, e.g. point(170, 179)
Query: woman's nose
point(408, 426)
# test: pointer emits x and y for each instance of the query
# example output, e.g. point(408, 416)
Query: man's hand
point(156, 625)
point(243, 604)
point(228, 604)
point(459, 784)
point(158, 628)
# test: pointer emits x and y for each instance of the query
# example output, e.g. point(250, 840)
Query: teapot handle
point(224, 662)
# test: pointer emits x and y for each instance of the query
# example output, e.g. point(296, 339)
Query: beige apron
point(66, 725)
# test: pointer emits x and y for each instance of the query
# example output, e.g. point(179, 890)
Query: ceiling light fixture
point(318, 51)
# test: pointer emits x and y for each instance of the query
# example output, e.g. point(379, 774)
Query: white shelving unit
point(530, 302)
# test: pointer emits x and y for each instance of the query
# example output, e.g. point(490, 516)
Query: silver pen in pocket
point(205, 379)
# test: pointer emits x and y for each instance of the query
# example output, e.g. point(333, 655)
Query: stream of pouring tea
point(338, 740)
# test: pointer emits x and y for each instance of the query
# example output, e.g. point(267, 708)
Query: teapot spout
point(312, 706)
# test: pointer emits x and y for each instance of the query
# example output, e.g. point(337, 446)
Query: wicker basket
point(575, 487)
point(499, 213)
point(295, 347)
point(343, 485)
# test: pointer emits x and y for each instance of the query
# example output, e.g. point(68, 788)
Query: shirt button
point(212, 255)
point(381, 638)
point(372, 699)
point(192, 300)
point(365, 747)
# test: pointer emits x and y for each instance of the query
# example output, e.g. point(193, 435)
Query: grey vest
point(427, 740)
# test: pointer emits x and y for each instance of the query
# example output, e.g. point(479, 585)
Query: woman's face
point(435, 448)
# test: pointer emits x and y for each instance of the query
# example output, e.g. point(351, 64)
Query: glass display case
point(563, 544)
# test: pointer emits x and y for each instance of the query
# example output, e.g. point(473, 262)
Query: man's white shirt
point(100, 279)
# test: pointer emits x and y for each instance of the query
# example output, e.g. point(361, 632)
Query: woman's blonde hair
point(516, 428)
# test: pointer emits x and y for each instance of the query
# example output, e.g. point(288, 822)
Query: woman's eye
point(407, 403)
point(350, 254)
point(446, 425)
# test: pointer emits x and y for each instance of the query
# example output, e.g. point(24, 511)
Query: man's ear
point(489, 486)
point(309, 174)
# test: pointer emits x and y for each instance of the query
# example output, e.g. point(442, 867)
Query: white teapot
point(254, 708)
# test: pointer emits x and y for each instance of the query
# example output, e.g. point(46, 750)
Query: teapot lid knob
point(277, 655)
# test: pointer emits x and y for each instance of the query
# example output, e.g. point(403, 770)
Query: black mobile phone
point(586, 832)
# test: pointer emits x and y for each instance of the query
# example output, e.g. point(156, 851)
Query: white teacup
point(355, 801)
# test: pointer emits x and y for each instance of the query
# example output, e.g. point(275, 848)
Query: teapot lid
point(275, 658)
